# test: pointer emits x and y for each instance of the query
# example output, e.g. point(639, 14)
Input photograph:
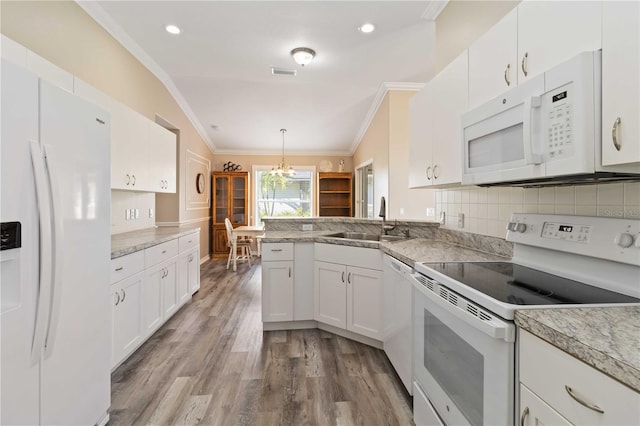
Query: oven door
point(501, 138)
point(463, 357)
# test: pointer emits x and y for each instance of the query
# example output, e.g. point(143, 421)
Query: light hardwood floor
point(212, 364)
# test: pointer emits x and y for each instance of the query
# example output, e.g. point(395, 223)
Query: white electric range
point(464, 335)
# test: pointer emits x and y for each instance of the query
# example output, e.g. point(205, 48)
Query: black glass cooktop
point(519, 285)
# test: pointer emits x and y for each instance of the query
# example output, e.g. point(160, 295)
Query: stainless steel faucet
point(383, 214)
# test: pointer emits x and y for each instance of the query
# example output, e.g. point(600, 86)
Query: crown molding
point(97, 13)
point(377, 101)
point(433, 9)
point(278, 153)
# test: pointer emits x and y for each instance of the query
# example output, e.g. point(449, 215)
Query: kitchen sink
point(367, 237)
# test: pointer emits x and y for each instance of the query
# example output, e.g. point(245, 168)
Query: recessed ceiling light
point(367, 28)
point(173, 29)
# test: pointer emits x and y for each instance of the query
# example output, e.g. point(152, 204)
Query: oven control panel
point(567, 232)
point(600, 237)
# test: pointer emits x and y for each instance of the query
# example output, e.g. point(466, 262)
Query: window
point(282, 196)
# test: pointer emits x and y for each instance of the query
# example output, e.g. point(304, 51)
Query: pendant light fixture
point(282, 169)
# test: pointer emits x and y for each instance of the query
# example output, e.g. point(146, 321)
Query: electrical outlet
point(307, 227)
point(401, 211)
point(132, 213)
point(431, 212)
point(460, 220)
point(127, 214)
point(137, 213)
point(150, 212)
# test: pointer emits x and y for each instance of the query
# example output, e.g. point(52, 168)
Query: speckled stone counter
point(130, 242)
point(607, 338)
point(407, 251)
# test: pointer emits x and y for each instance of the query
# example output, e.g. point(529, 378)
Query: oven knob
point(521, 227)
point(623, 240)
point(637, 244)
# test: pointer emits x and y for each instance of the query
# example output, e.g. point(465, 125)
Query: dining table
point(244, 231)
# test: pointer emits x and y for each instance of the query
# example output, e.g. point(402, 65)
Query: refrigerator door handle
point(57, 249)
point(46, 267)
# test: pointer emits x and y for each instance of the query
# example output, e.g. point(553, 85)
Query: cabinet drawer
point(189, 241)
point(125, 266)
point(160, 253)
point(277, 251)
point(546, 370)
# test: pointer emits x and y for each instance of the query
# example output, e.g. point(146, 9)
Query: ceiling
point(219, 68)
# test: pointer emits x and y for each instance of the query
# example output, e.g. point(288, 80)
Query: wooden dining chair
point(243, 244)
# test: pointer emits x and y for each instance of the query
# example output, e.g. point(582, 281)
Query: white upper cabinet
point(620, 82)
point(434, 127)
point(143, 153)
point(420, 136)
point(550, 32)
point(161, 157)
point(493, 61)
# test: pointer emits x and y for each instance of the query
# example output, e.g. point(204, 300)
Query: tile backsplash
point(488, 210)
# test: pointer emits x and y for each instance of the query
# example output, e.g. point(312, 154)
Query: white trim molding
point(377, 101)
point(295, 153)
point(184, 222)
point(93, 9)
point(195, 164)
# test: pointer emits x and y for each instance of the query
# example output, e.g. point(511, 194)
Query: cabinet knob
point(614, 134)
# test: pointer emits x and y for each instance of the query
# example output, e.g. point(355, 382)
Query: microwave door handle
point(530, 157)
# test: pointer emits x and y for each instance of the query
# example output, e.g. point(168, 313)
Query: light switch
point(150, 212)
point(127, 214)
point(137, 213)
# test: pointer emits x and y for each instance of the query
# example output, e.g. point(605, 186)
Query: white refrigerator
point(55, 319)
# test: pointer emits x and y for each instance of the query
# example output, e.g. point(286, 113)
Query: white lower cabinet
point(555, 386)
point(287, 282)
point(277, 291)
point(348, 289)
point(189, 275)
point(148, 287)
point(127, 321)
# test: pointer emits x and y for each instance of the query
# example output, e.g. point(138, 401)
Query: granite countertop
point(607, 338)
point(130, 242)
point(407, 251)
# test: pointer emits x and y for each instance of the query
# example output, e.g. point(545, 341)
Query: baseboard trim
point(302, 325)
point(204, 259)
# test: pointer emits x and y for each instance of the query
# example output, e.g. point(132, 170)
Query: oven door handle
point(495, 327)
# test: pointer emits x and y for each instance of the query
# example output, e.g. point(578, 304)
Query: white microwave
point(546, 131)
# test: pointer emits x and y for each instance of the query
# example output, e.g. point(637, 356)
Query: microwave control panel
point(559, 130)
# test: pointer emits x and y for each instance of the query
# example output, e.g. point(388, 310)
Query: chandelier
point(282, 169)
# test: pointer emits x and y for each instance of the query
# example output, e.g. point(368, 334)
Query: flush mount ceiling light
point(282, 169)
point(303, 55)
point(367, 28)
point(173, 29)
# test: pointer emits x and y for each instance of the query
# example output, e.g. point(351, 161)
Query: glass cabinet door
point(221, 198)
point(239, 189)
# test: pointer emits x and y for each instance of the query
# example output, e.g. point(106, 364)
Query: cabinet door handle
point(119, 269)
point(614, 133)
point(523, 64)
point(349, 278)
point(429, 173)
point(342, 276)
point(276, 249)
point(134, 180)
point(117, 298)
point(524, 415)
point(128, 179)
point(435, 176)
point(506, 75)
point(580, 401)
point(124, 295)
point(164, 251)
point(289, 271)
